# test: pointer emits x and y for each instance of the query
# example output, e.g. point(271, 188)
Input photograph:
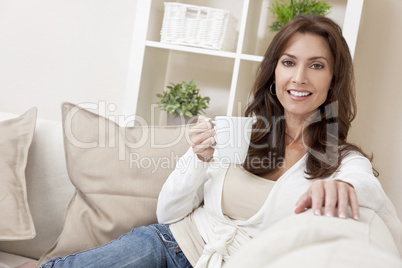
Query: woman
point(303, 100)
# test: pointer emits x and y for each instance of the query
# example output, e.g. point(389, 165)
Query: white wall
point(378, 66)
point(53, 51)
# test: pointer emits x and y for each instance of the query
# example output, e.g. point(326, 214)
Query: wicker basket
point(198, 26)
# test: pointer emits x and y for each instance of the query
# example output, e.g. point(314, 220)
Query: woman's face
point(303, 74)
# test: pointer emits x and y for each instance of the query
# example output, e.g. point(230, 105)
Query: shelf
point(197, 50)
point(203, 51)
point(251, 57)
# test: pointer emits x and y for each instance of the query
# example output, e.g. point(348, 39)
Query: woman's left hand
point(330, 194)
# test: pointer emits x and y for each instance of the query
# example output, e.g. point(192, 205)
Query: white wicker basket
point(198, 26)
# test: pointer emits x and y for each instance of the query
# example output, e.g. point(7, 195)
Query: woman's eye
point(317, 66)
point(287, 63)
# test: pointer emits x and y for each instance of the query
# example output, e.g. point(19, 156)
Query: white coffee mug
point(232, 138)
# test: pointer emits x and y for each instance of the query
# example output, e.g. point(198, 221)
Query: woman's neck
point(294, 129)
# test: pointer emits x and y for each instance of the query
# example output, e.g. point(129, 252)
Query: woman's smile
point(299, 94)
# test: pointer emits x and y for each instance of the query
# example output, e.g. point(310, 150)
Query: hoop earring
point(270, 89)
point(329, 92)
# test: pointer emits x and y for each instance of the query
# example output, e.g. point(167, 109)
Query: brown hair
point(327, 129)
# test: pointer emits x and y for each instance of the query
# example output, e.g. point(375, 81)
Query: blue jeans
point(148, 246)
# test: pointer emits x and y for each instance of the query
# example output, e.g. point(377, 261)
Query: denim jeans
point(148, 246)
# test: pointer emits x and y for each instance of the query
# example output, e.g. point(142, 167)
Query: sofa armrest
point(306, 240)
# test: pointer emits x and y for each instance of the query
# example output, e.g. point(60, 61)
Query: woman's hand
point(202, 138)
point(330, 194)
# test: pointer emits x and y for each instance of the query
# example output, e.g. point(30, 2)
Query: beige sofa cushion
point(10, 260)
point(118, 173)
point(48, 186)
point(15, 139)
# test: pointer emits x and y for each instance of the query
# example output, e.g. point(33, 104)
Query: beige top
point(243, 195)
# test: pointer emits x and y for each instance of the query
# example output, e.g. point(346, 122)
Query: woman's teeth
point(299, 94)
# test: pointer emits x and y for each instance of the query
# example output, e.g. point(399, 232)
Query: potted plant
point(286, 10)
point(183, 100)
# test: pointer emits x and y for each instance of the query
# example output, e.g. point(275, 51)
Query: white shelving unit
point(225, 76)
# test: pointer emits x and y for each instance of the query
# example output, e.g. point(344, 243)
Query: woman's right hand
point(202, 138)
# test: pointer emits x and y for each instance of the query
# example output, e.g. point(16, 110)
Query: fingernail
point(356, 217)
point(317, 212)
point(330, 214)
point(342, 215)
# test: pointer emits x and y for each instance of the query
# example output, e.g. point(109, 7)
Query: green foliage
point(286, 10)
point(183, 99)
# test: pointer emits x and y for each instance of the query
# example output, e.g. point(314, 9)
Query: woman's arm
point(183, 191)
point(353, 185)
point(357, 171)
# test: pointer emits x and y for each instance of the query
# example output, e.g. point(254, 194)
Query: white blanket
point(306, 240)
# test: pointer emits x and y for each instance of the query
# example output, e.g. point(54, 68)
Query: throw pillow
point(15, 139)
point(118, 173)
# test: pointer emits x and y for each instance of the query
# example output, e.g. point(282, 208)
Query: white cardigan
point(194, 181)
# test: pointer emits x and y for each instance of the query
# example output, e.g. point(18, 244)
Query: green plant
point(286, 10)
point(183, 99)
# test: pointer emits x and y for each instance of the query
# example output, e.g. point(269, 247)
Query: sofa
point(49, 189)
point(89, 180)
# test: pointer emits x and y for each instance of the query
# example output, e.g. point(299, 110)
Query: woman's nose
point(300, 75)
